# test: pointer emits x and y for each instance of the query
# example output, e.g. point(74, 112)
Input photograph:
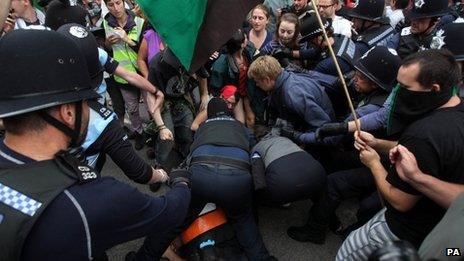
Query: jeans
point(231, 189)
point(177, 117)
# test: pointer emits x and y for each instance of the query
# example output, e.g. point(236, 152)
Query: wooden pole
point(337, 66)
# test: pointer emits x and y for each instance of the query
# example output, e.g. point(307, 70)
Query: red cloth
point(242, 80)
point(228, 91)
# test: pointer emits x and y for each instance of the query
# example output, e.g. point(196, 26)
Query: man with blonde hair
point(294, 96)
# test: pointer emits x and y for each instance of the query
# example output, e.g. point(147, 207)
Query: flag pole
point(337, 66)
point(340, 74)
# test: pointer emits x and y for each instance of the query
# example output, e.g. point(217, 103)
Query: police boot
point(311, 232)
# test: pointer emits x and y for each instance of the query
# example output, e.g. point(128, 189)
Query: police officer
point(344, 48)
point(295, 97)
point(220, 166)
point(451, 38)
point(54, 207)
point(424, 17)
point(375, 78)
point(372, 26)
point(105, 135)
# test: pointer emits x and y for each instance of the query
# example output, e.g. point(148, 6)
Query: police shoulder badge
point(419, 3)
point(78, 32)
point(438, 40)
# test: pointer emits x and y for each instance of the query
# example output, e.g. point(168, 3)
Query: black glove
point(179, 175)
point(290, 133)
point(331, 129)
point(281, 53)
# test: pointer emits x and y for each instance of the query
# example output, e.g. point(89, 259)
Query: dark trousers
point(354, 183)
point(293, 177)
point(230, 189)
point(116, 97)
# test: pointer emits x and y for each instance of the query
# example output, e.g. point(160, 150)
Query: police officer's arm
point(113, 142)
point(443, 193)
point(375, 120)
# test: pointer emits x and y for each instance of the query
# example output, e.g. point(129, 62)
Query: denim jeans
point(178, 117)
point(230, 189)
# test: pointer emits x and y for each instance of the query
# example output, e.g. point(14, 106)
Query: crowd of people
point(321, 100)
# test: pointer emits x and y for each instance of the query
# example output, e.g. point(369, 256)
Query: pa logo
point(453, 252)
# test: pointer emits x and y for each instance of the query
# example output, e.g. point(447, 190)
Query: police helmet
point(89, 47)
point(370, 10)
point(380, 64)
point(56, 72)
point(59, 12)
point(451, 37)
point(427, 9)
point(310, 27)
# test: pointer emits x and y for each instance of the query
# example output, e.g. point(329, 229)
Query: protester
point(123, 36)
point(295, 97)
point(340, 25)
point(259, 35)
point(425, 101)
point(285, 46)
point(232, 68)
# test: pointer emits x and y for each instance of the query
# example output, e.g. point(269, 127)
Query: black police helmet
point(60, 13)
point(89, 47)
point(56, 72)
point(310, 27)
point(427, 9)
point(370, 10)
point(451, 38)
point(217, 107)
point(380, 64)
point(395, 251)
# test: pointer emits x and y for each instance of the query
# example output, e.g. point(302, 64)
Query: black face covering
point(409, 106)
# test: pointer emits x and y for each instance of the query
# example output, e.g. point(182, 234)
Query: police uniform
point(411, 43)
point(60, 209)
point(104, 133)
point(220, 167)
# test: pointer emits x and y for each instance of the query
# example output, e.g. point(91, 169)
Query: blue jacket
point(301, 96)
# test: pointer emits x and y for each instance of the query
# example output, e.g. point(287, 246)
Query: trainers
point(139, 141)
point(306, 234)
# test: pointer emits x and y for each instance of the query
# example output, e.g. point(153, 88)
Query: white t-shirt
point(395, 16)
point(21, 24)
point(341, 26)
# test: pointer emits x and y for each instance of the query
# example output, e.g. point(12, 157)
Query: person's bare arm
point(4, 11)
point(364, 139)
point(142, 58)
point(201, 117)
point(135, 79)
point(442, 192)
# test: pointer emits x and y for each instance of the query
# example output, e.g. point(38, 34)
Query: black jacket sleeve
point(114, 142)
